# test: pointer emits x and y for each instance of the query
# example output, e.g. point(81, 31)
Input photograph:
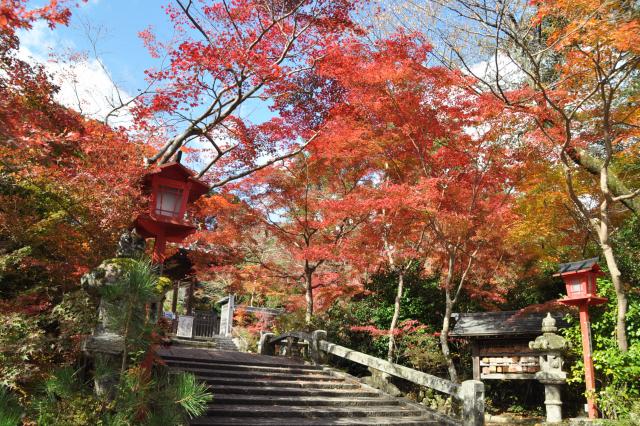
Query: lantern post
point(580, 280)
point(171, 186)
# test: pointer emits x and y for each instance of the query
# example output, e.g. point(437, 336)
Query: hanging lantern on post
point(172, 187)
point(580, 279)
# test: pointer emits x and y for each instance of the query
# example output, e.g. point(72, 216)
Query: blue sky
point(89, 85)
point(120, 47)
point(115, 25)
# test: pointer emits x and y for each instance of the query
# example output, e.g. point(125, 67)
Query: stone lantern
point(551, 375)
point(105, 345)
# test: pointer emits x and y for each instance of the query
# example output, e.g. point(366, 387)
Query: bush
point(10, 410)
point(159, 399)
point(248, 338)
point(421, 350)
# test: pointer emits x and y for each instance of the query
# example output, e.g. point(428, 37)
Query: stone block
point(515, 368)
point(472, 395)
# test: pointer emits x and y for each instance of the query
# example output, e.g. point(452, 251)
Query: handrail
point(469, 392)
point(414, 376)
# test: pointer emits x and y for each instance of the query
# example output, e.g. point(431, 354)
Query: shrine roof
point(503, 323)
point(180, 172)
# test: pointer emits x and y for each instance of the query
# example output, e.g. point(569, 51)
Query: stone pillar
point(472, 395)
point(317, 355)
point(551, 375)
point(264, 348)
point(553, 400)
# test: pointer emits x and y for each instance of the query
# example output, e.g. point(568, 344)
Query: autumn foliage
point(61, 206)
point(371, 162)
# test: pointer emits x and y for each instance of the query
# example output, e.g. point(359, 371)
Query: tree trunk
point(593, 165)
point(621, 298)
point(602, 228)
point(394, 319)
point(308, 278)
point(444, 339)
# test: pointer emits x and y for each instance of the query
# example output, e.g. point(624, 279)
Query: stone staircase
point(253, 389)
point(217, 342)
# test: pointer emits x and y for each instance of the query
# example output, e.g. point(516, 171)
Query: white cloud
point(508, 72)
point(84, 85)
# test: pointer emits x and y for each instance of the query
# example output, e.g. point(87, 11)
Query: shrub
point(10, 410)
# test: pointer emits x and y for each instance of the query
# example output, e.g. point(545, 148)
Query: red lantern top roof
point(176, 171)
point(580, 266)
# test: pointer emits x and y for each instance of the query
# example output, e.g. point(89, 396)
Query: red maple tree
point(228, 54)
point(442, 191)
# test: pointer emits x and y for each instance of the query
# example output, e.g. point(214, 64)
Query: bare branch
point(267, 164)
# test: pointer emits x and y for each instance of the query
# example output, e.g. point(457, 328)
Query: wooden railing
point(470, 392)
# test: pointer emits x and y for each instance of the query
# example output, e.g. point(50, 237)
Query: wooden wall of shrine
point(506, 359)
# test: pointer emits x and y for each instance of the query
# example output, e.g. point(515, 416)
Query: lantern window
point(168, 201)
point(576, 287)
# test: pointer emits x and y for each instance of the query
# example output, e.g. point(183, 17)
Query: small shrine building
point(500, 342)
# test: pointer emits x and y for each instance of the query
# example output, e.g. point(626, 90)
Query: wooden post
point(289, 346)
point(589, 373)
point(174, 297)
point(160, 308)
point(190, 298)
point(158, 250)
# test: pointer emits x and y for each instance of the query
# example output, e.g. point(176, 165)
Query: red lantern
point(582, 291)
point(172, 186)
point(580, 281)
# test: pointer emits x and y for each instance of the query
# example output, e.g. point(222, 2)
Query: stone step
point(309, 401)
point(243, 364)
point(302, 369)
point(259, 375)
point(289, 421)
point(293, 391)
point(218, 344)
point(266, 411)
point(276, 383)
